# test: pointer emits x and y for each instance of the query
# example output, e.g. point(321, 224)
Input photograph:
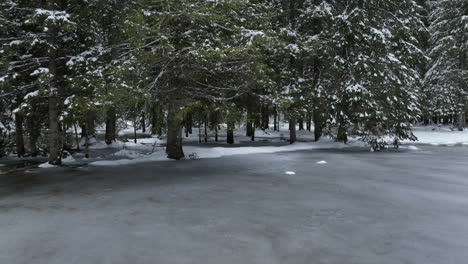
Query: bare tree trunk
point(135, 131)
point(275, 116)
point(301, 123)
point(189, 123)
point(143, 122)
point(174, 134)
point(19, 134)
point(230, 132)
point(309, 121)
point(317, 125)
point(76, 137)
point(265, 118)
point(292, 131)
point(253, 132)
point(342, 134)
point(90, 118)
point(87, 146)
point(157, 120)
point(249, 129)
point(55, 149)
point(34, 132)
point(206, 129)
point(199, 132)
point(110, 125)
point(461, 121)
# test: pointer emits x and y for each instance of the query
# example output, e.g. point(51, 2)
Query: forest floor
point(340, 205)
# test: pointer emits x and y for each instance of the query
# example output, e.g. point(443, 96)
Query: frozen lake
point(317, 206)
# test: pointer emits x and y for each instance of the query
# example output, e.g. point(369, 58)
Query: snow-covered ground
point(149, 149)
point(393, 207)
point(435, 135)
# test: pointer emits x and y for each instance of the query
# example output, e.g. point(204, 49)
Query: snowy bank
point(217, 152)
point(439, 136)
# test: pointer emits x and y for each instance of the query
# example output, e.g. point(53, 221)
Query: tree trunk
point(199, 132)
point(249, 129)
point(19, 134)
point(292, 130)
point(174, 134)
point(110, 125)
point(301, 123)
point(265, 118)
point(90, 118)
point(309, 121)
point(461, 121)
point(342, 134)
point(76, 137)
point(87, 146)
point(157, 120)
point(135, 131)
point(252, 137)
point(230, 132)
point(275, 116)
point(55, 149)
point(34, 131)
point(317, 125)
point(143, 122)
point(189, 123)
point(84, 132)
point(206, 129)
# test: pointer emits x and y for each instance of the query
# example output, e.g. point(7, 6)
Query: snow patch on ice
point(321, 162)
point(413, 148)
point(47, 166)
point(290, 173)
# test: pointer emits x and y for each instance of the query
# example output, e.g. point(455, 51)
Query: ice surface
point(389, 207)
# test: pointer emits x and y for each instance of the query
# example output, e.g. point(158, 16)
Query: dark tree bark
point(111, 120)
point(301, 123)
point(134, 132)
point(143, 122)
point(342, 134)
point(55, 148)
point(230, 132)
point(309, 121)
point(34, 131)
point(461, 121)
point(174, 134)
point(249, 129)
point(265, 124)
point(206, 129)
point(252, 136)
point(199, 132)
point(292, 131)
point(20, 151)
point(84, 132)
point(318, 126)
point(76, 137)
point(275, 116)
point(157, 120)
point(90, 127)
point(190, 123)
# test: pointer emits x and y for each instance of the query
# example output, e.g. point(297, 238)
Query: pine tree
point(447, 78)
point(374, 90)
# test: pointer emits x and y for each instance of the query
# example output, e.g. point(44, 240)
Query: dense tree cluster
point(367, 69)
